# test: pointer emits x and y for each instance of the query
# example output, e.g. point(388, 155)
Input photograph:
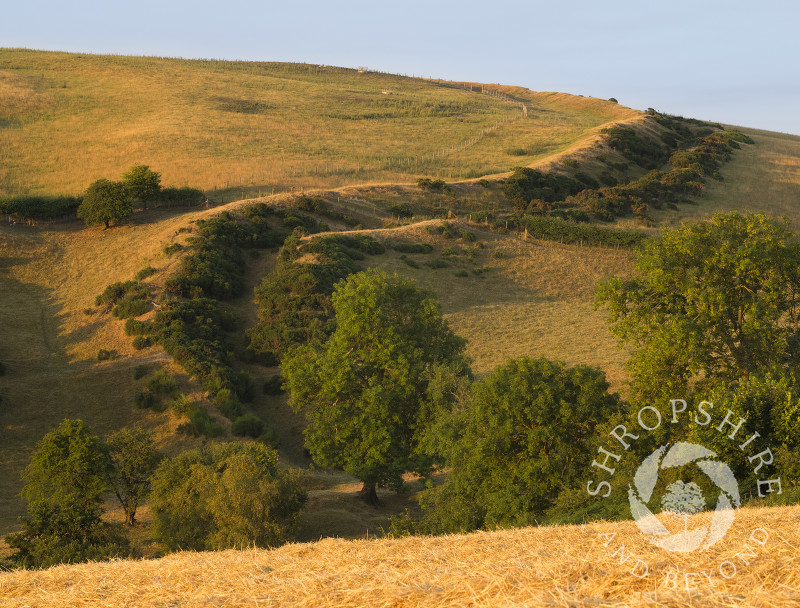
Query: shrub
point(140, 371)
point(437, 263)
point(228, 405)
point(173, 248)
point(248, 425)
point(183, 405)
point(462, 274)
point(412, 247)
point(106, 355)
point(40, 207)
point(498, 254)
point(132, 305)
point(401, 210)
point(145, 272)
point(140, 342)
point(144, 399)
point(449, 252)
point(205, 424)
point(161, 383)
point(241, 498)
point(409, 261)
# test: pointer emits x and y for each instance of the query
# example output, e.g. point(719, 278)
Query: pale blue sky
point(727, 61)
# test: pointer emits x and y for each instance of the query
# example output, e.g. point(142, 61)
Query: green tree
point(133, 461)
point(142, 183)
point(525, 434)
point(714, 300)
point(66, 480)
point(364, 390)
point(229, 495)
point(105, 202)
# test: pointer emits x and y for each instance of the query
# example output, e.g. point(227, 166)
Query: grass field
point(589, 565)
point(68, 119)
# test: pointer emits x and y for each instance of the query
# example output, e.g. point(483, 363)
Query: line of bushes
point(40, 207)
point(565, 231)
point(294, 301)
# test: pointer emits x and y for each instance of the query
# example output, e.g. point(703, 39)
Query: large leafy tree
point(66, 480)
point(712, 300)
point(104, 202)
point(522, 436)
point(142, 183)
point(365, 390)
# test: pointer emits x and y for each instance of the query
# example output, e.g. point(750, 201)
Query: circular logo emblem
point(683, 499)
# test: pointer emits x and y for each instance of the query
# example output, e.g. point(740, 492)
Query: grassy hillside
point(67, 119)
point(559, 566)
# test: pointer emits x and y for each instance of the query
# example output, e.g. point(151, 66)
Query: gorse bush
point(248, 425)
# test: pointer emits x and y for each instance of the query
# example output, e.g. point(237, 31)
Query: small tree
point(365, 390)
point(105, 202)
point(230, 495)
point(133, 461)
point(142, 183)
point(65, 486)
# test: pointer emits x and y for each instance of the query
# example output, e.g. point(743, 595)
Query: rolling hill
point(359, 140)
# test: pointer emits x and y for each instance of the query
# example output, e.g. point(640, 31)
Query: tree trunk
point(106, 228)
point(368, 494)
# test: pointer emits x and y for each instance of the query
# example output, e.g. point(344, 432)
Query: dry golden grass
point(67, 119)
point(763, 178)
point(535, 300)
point(547, 566)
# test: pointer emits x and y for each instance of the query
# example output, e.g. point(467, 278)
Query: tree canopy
point(225, 496)
point(716, 299)
point(142, 183)
point(104, 202)
point(364, 390)
point(523, 435)
point(66, 480)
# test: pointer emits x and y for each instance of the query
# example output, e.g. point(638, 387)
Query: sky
point(727, 61)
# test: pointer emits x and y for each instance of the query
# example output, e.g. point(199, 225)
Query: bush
point(401, 210)
point(173, 248)
point(106, 355)
point(183, 405)
point(412, 247)
point(140, 342)
point(449, 252)
point(140, 371)
point(144, 399)
point(241, 498)
point(162, 383)
point(436, 264)
point(40, 207)
point(228, 405)
point(248, 425)
point(145, 272)
point(204, 424)
point(462, 273)
point(409, 261)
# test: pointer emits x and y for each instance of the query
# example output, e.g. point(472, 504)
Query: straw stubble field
point(598, 564)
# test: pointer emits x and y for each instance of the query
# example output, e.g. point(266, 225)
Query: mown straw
point(547, 566)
